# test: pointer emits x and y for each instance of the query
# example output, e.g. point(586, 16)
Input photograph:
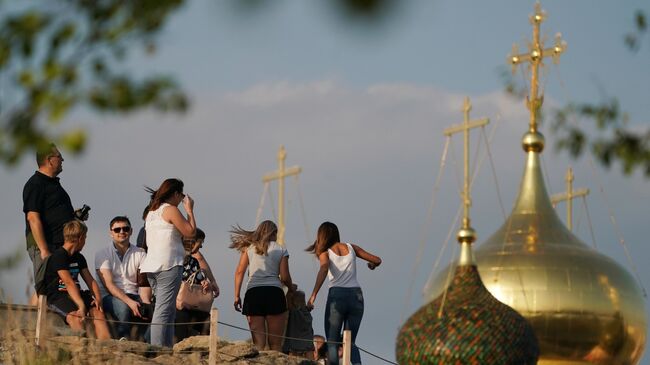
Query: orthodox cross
point(568, 196)
point(535, 57)
point(279, 175)
point(466, 233)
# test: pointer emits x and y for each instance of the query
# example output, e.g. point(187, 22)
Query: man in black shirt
point(47, 207)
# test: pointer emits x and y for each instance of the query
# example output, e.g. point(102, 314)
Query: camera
point(82, 214)
point(146, 310)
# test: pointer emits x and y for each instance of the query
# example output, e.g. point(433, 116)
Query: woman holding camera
point(165, 226)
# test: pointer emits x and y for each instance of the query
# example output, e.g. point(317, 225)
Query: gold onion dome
point(584, 307)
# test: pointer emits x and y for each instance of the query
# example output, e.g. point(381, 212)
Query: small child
point(320, 350)
point(298, 326)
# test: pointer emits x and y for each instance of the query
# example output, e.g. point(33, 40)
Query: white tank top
point(343, 269)
point(164, 242)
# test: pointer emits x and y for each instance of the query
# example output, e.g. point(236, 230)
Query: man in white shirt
point(118, 268)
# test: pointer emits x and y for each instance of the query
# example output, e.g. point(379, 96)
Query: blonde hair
point(74, 230)
point(241, 239)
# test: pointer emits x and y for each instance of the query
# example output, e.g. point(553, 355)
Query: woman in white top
point(264, 305)
point(344, 299)
point(165, 226)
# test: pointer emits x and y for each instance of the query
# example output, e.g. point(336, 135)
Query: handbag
point(192, 296)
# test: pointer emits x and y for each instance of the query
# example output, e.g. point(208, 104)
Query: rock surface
point(17, 348)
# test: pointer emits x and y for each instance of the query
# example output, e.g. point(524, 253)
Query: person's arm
point(36, 226)
point(73, 291)
point(373, 261)
point(203, 264)
point(239, 278)
point(145, 294)
point(285, 276)
point(186, 226)
point(93, 286)
point(106, 276)
point(324, 260)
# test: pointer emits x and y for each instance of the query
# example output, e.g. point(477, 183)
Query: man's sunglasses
point(121, 229)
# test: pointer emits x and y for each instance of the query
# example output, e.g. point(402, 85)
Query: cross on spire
point(279, 175)
point(568, 196)
point(466, 234)
point(535, 57)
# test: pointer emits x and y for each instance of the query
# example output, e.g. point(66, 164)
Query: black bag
point(39, 278)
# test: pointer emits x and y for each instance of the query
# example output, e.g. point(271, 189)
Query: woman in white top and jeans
point(344, 299)
point(264, 305)
point(165, 226)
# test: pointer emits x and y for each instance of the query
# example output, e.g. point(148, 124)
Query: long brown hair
point(327, 236)
point(164, 192)
point(260, 238)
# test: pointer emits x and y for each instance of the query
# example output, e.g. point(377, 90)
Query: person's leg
point(182, 331)
point(120, 312)
point(165, 285)
point(258, 331)
point(334, 317)
point(99, 321)
point(76, 323)
point(353, 321)
point(276, 325)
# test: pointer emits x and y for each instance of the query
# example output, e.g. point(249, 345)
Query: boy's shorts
point(64, 305)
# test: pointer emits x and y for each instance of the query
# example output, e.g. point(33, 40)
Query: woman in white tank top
point(344, 299)
point(165, 226)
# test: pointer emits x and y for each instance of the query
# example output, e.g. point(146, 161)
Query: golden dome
point(584, 307)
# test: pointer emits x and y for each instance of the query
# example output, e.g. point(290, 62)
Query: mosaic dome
point(473, 328)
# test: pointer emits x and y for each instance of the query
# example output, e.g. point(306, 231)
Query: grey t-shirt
point(264, 270)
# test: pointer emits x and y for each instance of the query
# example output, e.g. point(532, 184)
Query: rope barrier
point(376, 356)
point(273, 335)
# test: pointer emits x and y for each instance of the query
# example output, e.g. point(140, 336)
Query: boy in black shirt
point(64, 295)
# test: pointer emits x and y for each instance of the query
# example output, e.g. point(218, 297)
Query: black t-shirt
point(60, 260)
point(45, 195)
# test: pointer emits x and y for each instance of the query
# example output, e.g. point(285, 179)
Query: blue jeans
point(165, 286)
point(344, 310)
point(121, 312)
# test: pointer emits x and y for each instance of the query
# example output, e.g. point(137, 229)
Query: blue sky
point(361, 109)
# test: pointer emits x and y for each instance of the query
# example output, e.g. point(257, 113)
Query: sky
point(361, 108)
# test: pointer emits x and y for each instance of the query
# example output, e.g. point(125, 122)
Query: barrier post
point(347, 346)
point(41, 319)
point(214, 338)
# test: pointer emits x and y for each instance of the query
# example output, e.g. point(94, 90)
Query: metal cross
point(568, 196)
point(279, 175)
point(465, 128)
point(535, 57)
